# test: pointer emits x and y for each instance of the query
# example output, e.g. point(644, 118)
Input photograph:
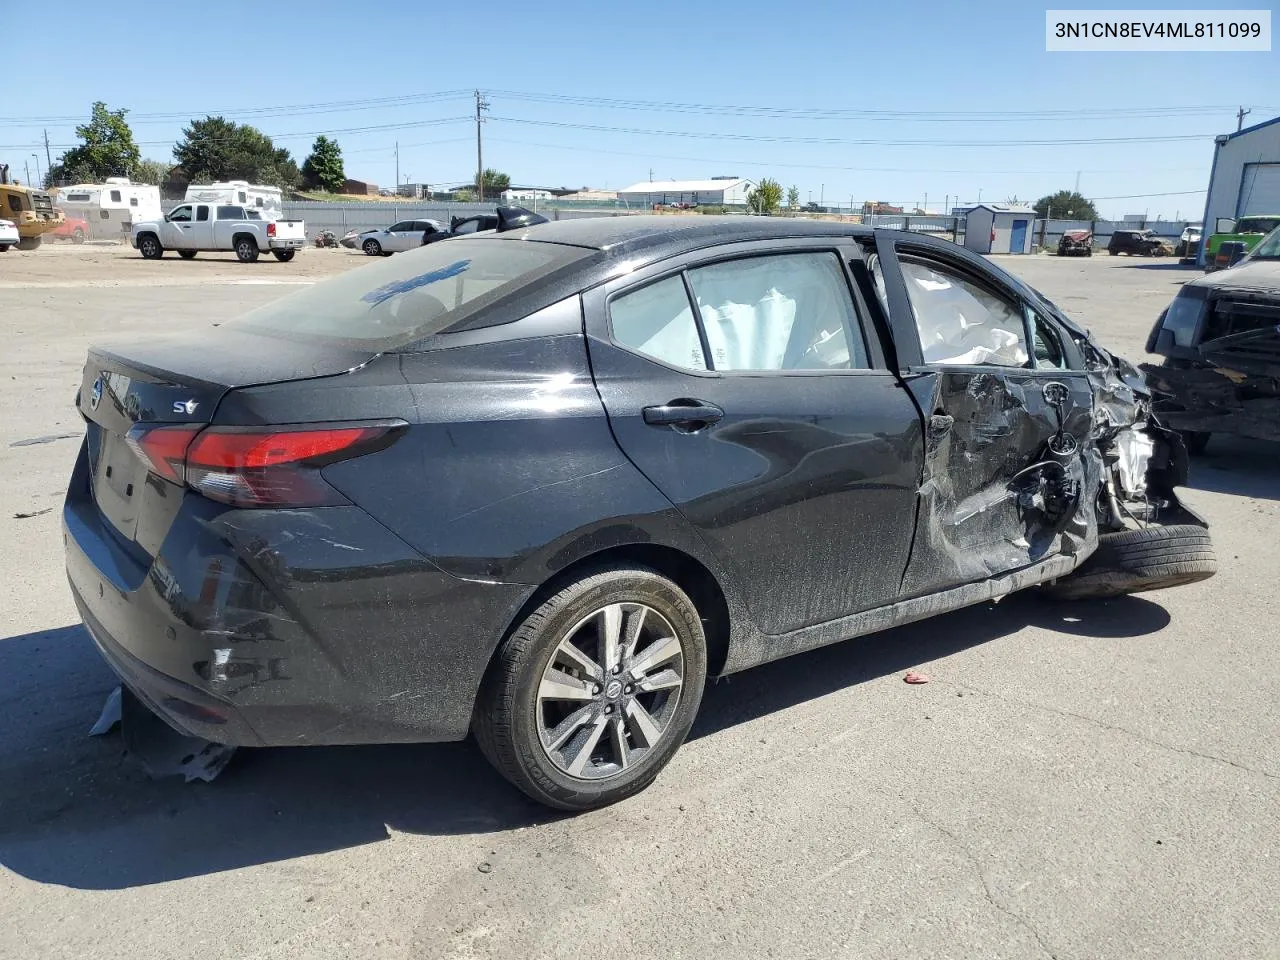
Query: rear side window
point(397, 301)
point(658, 321)
point(202, 213)
point(788, 312)
point(115, 196)
point(766, 313)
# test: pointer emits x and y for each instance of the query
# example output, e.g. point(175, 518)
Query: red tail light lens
point(163, 449)
point(221, 449)
point(257, 467)
point(271, 228)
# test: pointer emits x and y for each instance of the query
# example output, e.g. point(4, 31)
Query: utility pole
point(26, 168)
point(47, 157)
point(651, 174)
point(481, 104)
point(39, 176)
point(397, 168)
point(1077, 190)
point(1240, 115)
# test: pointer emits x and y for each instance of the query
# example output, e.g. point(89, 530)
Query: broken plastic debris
point(914, 677)
point(110, 716)
point(164, 752)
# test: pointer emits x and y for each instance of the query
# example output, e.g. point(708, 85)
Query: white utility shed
point(999, 228)
point(1245, 179)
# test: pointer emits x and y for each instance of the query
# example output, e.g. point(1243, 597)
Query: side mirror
point(1225, 225)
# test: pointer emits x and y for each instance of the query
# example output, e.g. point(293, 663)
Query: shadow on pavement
point(1238, 466)
point(73, 812)
point(1168, 265)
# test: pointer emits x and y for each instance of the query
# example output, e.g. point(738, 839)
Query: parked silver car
point(397, 238)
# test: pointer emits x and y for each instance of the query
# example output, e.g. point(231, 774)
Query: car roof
point(672, 235)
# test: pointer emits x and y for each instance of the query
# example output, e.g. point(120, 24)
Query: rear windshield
point(412, 295)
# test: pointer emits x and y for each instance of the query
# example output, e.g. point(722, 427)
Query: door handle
point(682, 413)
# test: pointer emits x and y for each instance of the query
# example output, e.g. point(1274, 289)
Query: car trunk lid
point(171, 382)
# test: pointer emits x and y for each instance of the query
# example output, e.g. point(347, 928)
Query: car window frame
point(901, 317)
point(596, 302)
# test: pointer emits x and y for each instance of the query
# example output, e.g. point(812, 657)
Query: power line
point(838, 141)
point(809, 113)
point(278, 136)
point(332, 106)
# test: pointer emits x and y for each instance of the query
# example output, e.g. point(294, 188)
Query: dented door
point(1010, 473)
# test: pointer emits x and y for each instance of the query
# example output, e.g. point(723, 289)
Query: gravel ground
point(1086, 781)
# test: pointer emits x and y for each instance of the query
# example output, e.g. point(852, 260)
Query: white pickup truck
point(190, 228)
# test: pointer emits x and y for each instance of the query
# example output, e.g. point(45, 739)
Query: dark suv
point(1142, 242)
point(1220, 339)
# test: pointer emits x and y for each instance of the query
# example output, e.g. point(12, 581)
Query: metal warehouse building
point(1245, 179)
point(717, 190)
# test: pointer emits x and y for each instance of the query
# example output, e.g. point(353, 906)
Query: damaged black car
point(537, 486)
point(1221, 342)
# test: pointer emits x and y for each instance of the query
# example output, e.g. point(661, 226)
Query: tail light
point(271, 228)
point(258, 466)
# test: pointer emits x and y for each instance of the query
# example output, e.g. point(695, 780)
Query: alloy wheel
point(610, 690)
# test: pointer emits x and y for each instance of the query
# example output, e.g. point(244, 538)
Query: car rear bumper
point(271, 627)
point(296, 244)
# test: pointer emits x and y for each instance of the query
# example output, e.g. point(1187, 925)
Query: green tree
point(494, 182)
point(1066, 205)
point(106, 149)
point(766, 198)
point(151, 171)
point(324, 167)
point(218, 149)
point(793, 197)
point(464, 195)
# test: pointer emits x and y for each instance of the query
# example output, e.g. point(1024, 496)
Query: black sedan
point(538, 485)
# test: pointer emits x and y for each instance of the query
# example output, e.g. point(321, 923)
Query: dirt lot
point(1079, 781)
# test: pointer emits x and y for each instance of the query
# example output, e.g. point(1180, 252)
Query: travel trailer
point(240, 193)
point(111, 208)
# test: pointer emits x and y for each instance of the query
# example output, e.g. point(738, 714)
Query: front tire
point(30, 243)
point(149, 246)
point(594, 691)
point(187, 254)
point(1134, 561)
point(372, 248)
point(284, 256)
point(78, 236)
point(246, 250)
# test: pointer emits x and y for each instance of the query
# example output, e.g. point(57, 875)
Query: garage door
point(1260, 189)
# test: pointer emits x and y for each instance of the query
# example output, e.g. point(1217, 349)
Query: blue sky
point(855, 71)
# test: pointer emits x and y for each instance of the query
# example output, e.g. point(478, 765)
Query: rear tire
point(78, 236)
point(30, 243)
point(4, 247)
point(187, 254)
point(1134, 561)
point(149, 246)
point(372, 248)
point(246, 248)
point(284, 256)
point(594, 747)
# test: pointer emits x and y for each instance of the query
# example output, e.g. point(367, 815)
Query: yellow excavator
point(32, 210)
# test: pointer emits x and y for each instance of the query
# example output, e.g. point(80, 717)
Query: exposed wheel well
point(235, 240)
point(683, 570)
